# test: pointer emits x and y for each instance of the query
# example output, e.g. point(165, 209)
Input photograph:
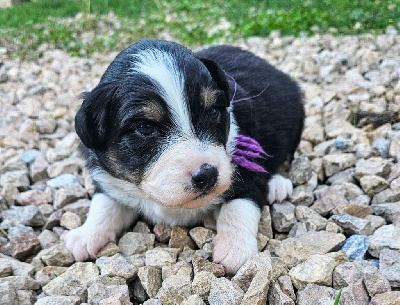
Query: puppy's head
point(159, 120)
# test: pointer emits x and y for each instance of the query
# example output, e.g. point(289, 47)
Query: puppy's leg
point(279, 188)
point(105, 220)
point(237, 226)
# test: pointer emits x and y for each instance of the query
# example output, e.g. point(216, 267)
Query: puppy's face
point(159, 120)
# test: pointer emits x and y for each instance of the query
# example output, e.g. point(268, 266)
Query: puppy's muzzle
point(205, 178)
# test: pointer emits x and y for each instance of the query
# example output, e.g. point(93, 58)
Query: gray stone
point(159, 257)
point(59, 300)
point(37, 197)
point(162, 232)
point(286, 285)
point(356, 247)
point(181, 268)
point(352, 225)
point(394, 149)
point(26, 297)
point(63, 180)
point(27, 215)
point(135, 243)
point(265, 224)
point(372, 184)
point(300, 170)
point(387, 236)
point(98, 292)
point(330, 201)
point(389, 264)
point(375, 221)
point(355, 294)
point(18, 268)
point(30, 155)
point(194, 299)
point(298, 229)
point(337, 163)
point(283, 217)
point(66, 166)
point(202, 264)
point(117, 265)
point(22, 246)
point(5, 269)
point(223, 292)
point(302, 195)
point(340, 177)
point(382, 147)
point(297, 249)
point(8, 296)
point(346, 274)
point(277, 297)
point(389, 211)
point(175, 289)
point(387, 298)
point(375, 281)
point(201, 284)
point(150, 278)
point(312, 220)
point(108, 250)
point(387, 195)
point(315, 294)
point(57, 255)
point(19, 230)
point(80, 207)
point(38, 169)
point(20, 282)
point(48, 273)
point(70, 221)
point(47, 238)
point(18, 179)
point(68, 194)
point(201, 236)
point(317, 269)
point(373, 166)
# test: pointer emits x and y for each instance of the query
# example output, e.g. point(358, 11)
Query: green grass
point(338, 297)
point(24, 27)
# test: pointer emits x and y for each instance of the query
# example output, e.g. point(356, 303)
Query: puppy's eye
point(216, 113)
point(146, 130)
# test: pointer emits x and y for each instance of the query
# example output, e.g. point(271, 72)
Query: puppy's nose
point(205, 178)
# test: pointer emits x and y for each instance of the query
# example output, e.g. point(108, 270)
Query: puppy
point(176, 136)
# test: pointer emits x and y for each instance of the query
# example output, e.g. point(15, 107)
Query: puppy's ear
point(93, 118)
point(218, 75)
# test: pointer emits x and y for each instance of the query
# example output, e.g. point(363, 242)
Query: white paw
point(232, 251)
point(84, 242)
point(279, 188)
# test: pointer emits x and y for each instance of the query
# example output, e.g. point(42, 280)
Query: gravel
point(346, 176)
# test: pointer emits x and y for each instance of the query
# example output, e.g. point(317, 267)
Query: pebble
point(346, 274)
point(352, 225)
point(22, 246)
point(117, 265)
point(98, 292)
point(26, 215)
point(312, 220)
point(201, 264)
point(63, 180)
point(387, 298)
point(387, 236)
point(38, 169)
point(283, 216)
point(175, 289)
point(355, 293)
point(59, 300)
point(135, 243)
point(297, 249)
point(317, 269)
point(201, 284)
point(201, 236)
point(300, 170)
point(68, 194)
point(19, 230)
point(222, 291)
point(162, 233)
point(18, 179)
point(56, 255)
point(389, 264)
point(337, 163)
point(37, 197)
point(373, 166)
point(265, 224)
point(389, 211)
point(159, 257)
point(372, 184)
point(315, 294)
point(70, 221)
point(30, 155)
point(375, 281)
point(150, 278)
point(356, 247)
point(180, 238)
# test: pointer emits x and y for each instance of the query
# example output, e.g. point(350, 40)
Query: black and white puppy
point(173, 135)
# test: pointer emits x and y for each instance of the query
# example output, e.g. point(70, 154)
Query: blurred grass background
point(111, 24)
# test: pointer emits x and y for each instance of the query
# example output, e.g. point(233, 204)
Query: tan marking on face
point(209, 96)
point(169, 181)
point(151, 111)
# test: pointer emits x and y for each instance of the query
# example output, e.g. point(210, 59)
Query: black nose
point(204, 178)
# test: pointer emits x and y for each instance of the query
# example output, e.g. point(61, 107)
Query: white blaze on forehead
point(163, 71)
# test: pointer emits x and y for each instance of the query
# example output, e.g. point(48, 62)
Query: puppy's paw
point(279, 188)
point(232, 251)
point(84, 242)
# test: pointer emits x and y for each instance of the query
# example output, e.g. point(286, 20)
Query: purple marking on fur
point(249, 147)
point(243, 162)
point(247, 153)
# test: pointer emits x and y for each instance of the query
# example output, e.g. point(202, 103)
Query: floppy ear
point(219, 77)
point(93, 118)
